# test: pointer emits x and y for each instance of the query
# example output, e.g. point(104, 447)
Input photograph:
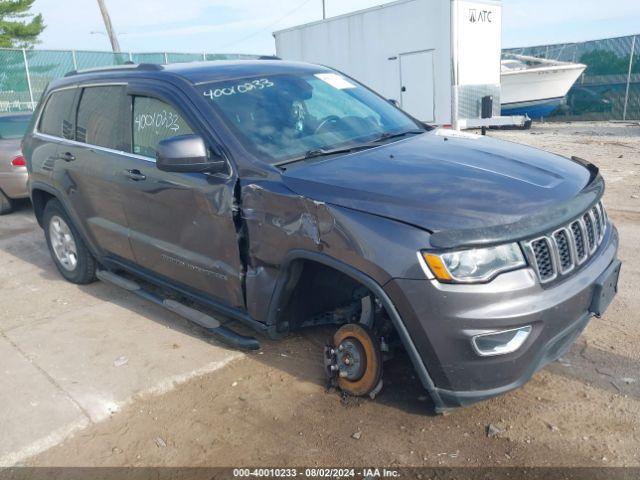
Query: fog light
point(500, 343)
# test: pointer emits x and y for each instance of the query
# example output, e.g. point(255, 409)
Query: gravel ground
point(271, 408)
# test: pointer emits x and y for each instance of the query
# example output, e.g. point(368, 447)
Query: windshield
point(13, 126)
point(281, 117)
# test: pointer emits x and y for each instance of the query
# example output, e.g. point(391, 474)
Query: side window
point(153, 121)
point(101, 117)
point(56, 116)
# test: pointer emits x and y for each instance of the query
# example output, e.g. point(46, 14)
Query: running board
point(205, 321)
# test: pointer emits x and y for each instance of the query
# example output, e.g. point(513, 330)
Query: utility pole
point(115, 46)
point(324, 11)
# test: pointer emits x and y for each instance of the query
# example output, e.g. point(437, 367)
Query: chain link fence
point(24, 74)
point(609, 89)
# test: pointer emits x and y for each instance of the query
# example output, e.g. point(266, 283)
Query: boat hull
point(534, 108)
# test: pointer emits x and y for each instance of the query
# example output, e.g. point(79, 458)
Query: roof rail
point(269, 57)
point(149, 67)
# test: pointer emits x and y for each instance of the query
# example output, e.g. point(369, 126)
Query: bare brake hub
point(354, 363)
point(351, 359)
point(347, 360)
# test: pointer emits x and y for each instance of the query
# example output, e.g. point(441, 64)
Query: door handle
point(403, 89)
point(67, 156)
point(135, 175)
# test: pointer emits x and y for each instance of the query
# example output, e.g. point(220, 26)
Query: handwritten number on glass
point(163, 119)
point(244, 87)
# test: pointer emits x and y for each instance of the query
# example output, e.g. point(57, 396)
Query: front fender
point(278, 221)
point(400, 327)
point(379, 247)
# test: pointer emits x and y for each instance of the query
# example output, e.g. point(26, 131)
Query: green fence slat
point(600, 93)
point(99, 59)
point(230, 56)
point(14, 89)
point(183, 57)
point(148, 58)
point(45, 66)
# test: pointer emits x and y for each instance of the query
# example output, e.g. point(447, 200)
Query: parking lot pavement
point(74, 355)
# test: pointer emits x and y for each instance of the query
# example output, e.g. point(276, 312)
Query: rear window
point(14, 127)
point(56, 116)
point(101, 117)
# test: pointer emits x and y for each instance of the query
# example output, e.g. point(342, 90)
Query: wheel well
point(40, 198)
point(317, 294)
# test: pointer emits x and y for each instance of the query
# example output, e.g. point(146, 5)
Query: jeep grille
point(559, 252)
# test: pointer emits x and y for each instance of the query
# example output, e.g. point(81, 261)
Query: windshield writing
point(284, 116)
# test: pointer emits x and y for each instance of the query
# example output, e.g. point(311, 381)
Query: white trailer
point(436, 58)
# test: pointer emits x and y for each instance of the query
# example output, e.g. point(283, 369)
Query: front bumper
point(441, 320)
point(14, 184)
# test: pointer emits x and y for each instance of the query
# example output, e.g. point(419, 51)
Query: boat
point(535, 86)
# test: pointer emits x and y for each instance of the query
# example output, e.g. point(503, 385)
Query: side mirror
point(394, 102)
point(187, 153)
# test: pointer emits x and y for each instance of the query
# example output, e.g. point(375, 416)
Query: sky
point(245, 26)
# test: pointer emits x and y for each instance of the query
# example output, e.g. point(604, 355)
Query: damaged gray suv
point(287, 195)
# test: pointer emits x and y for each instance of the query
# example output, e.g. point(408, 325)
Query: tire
point(6, 205)
point(371, 358)
point(68, 251)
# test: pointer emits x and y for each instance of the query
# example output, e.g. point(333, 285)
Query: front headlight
point(474, 265)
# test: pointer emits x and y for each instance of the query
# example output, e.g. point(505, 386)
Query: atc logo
point(480, 16)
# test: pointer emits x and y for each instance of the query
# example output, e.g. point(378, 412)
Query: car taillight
point(19, 161)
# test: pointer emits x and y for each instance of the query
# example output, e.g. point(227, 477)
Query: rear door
point(181, 224)
point(96, 155)
point(417, 92)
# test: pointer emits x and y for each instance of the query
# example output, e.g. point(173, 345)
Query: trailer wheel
point(358, 359)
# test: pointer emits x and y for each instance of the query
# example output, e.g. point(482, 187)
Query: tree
point(18, 27)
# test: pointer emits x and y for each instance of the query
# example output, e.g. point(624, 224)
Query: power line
point(267, 27)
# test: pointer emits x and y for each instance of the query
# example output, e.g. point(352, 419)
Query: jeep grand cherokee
point(286, 195)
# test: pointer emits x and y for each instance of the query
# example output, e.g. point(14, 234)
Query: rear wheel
point(6, 205)
point(69, 253)
point(358, 359)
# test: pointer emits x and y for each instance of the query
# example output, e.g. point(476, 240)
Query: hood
point(444, 180)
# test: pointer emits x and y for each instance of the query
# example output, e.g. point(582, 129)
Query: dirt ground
point(270, 408)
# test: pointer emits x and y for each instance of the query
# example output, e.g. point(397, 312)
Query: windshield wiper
point(319, 152)
point(388, 135)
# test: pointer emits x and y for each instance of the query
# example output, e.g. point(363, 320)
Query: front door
point(417, 91)
point(181, 224)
